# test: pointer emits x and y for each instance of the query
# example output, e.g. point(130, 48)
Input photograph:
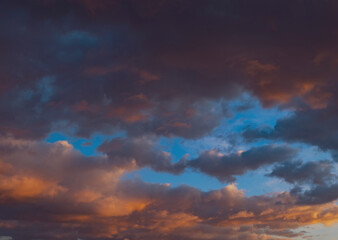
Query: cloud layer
point(158, 71)
point(84, 197)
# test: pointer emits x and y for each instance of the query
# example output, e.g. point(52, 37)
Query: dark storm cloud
point(150, 66)
point(320, 172)
point(224, 167)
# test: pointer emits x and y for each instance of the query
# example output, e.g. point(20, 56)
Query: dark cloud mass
point(147, 77)
point(225, 166)
point(101, 66)
point(313, 126)
point(138, 153)
point(316, 195)
point(311, 172)
point(319, 175)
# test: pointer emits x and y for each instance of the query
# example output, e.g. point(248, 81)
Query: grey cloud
point(312, 126)
point(314, 172)
point(138, 153)
point(316, 195)
point(224, 167)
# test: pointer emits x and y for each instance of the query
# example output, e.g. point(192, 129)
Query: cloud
point(320, 172)
point(319, 176)
point(317, 194)
point(134, 153)
point(156, 69)
point(85, 197)
point(131, 66)
point(224, 167)
point(312, 126)
point(137, 153)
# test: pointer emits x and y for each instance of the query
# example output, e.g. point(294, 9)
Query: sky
point(168, 119)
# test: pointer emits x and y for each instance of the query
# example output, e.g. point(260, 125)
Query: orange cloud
point(21, 187)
